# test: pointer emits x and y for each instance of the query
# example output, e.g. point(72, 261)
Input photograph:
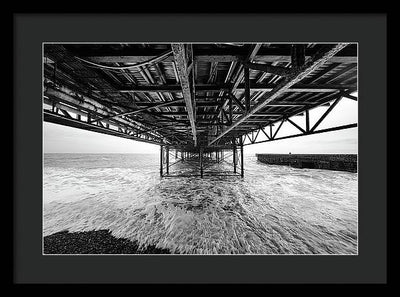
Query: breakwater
point(340, 162)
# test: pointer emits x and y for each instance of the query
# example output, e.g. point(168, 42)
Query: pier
point(200, 102)
point(339, 162)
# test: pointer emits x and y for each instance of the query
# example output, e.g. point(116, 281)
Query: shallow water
point(272, 210)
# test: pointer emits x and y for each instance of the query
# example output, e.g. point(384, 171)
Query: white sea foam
point(273, 210)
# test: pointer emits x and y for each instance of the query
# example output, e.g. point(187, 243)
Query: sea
point(273, 210)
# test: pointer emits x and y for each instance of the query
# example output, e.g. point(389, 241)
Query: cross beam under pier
point(297, 74)
point(196, 100)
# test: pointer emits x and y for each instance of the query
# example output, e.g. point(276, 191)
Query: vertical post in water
point(161, 160)
point(167, 159)
point(234, 156)
point(241, 160)
point(201, 162)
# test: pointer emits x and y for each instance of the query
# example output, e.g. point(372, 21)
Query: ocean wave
point(273, 210)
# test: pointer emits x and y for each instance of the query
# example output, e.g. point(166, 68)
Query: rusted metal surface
point(192, 97)
point(297, 75)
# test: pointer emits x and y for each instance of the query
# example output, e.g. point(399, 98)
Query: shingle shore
point(94, 242)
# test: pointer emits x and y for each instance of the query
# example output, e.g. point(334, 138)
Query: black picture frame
point(369, 30)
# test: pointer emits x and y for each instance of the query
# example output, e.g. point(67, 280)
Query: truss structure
point(195, 99)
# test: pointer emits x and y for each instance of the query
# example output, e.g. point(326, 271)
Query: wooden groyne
point(342, 162)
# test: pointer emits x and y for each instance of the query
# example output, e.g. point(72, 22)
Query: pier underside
point(201, 102)
point(202, 162)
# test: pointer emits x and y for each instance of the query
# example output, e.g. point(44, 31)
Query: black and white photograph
point(202, 148)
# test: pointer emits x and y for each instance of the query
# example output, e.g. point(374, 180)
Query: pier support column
point(241, 160)
point(167, 159)
point(201, 163)
point(234, 158)
point(161, 160)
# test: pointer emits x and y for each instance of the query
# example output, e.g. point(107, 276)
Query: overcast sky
point(62, 139)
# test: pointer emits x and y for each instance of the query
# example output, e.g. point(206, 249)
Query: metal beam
point(204, 113)
point(308, 120)
point(240, 73)
point(342, 127)
point(94, 108)
point(180, 103)
point(298, 55)
point(254, 50)
point(203, 57)
point(319, 59)
point(62, 120)
point(325, 114)
point(139, 110)
point(347, 95)
point(241, 160)
point(298, 88)
point(278, 70)
point(247, 88)
point(306, 106)
point(161, 160)
point(297, 126)
point(237, 101)
point(181, 62)
point(201, 162)
point(230, 111)
point(167, 159)
point(85, 103)
point(262, 129)
point(234, 156)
